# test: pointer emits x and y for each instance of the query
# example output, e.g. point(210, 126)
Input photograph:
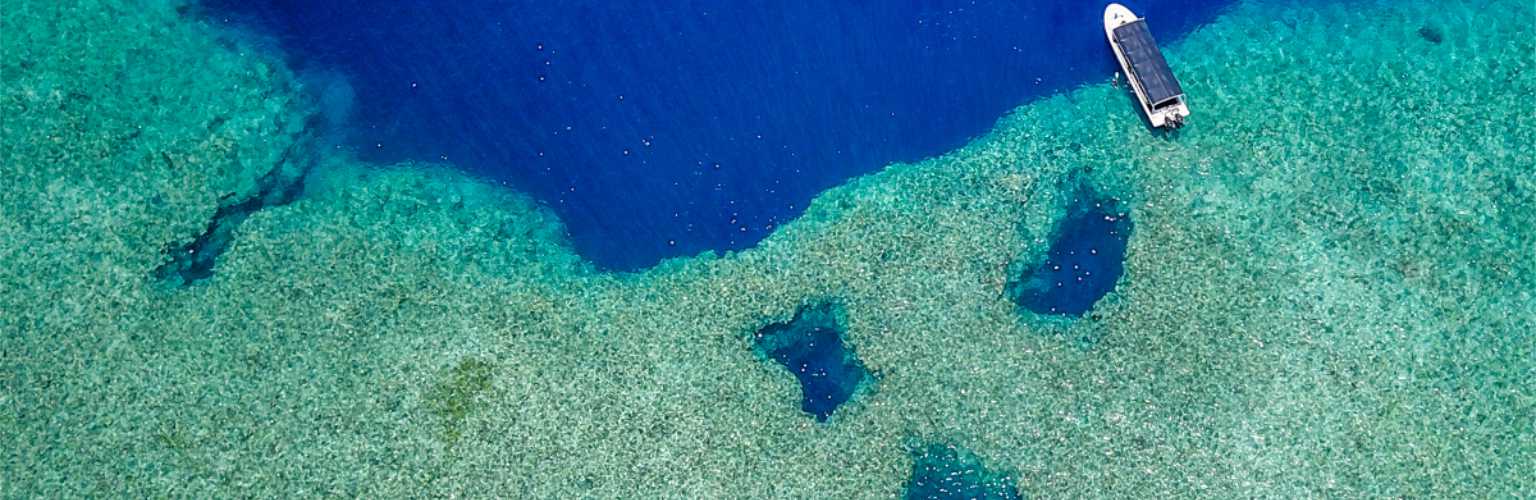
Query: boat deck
point(1147, 62)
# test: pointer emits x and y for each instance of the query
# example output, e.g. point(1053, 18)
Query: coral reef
point(1328, 292)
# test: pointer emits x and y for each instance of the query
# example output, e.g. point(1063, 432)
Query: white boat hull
point(1116, 15)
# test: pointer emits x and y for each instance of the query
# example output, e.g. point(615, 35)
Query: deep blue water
point(670, 128)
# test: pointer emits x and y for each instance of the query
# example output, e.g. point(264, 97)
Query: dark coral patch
point(1431, 34)
point(453, 399)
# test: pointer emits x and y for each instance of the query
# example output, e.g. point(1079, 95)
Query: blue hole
point(811, 347)
point(1085, 260)
point(945, 472)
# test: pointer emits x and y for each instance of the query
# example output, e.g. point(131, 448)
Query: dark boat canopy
point(1147, 62)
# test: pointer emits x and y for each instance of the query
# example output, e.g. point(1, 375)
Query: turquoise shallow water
point(1327, 291)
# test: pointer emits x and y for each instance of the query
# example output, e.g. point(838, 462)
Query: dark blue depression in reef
point(941, 472)
point(1085, 260)
point(811, 347)
point(659, 129)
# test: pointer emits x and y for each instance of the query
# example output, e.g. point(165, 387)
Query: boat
point(1162, 99)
